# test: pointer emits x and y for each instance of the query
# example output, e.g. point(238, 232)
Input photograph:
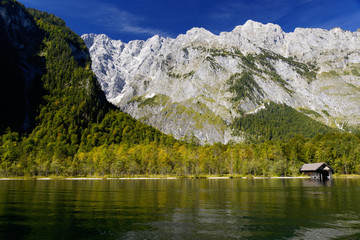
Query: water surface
point(180, 209)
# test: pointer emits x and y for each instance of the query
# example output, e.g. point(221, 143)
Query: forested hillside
point(278, 122)
point(57, 122)
point(70, 110)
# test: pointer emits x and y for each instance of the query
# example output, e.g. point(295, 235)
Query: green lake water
point(180, 209)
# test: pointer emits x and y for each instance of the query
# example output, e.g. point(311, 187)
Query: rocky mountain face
point(196, 84)
point(21, 67)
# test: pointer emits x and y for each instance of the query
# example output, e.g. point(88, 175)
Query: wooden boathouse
point(320, 171)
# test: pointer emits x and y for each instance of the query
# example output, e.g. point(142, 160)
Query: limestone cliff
point(197, 83)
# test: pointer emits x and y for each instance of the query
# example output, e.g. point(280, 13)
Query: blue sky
point(141, 19)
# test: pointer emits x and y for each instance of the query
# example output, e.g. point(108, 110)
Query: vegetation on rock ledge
point(277, 122)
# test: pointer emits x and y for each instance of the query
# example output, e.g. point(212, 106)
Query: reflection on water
point(339, 226)
point(180, 209)
point(317, 183)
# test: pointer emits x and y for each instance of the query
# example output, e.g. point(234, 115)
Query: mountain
point(43, 72)
point(52, 107)
point(202, 85)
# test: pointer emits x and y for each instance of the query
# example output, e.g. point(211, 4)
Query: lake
point(180, 209)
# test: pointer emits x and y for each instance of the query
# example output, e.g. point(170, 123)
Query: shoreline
point(164, 178)
point(143, 178)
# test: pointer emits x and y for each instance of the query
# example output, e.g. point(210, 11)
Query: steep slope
point(56, 96)
point(198, 83)
point(20, 68)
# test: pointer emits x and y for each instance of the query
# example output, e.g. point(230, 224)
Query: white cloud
point(106, 15)
point(265, 10)
point(346, 22)
point(112, 18)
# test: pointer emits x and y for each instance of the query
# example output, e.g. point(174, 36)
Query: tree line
point(159, 157)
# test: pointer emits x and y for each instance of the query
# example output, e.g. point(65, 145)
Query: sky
point(141, 19)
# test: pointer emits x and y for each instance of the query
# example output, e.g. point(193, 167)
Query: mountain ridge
point(312, 70)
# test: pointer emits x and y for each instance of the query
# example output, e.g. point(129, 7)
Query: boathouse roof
point(316, 167)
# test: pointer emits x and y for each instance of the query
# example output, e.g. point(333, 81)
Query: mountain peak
point(196, 31)
point(253, 26)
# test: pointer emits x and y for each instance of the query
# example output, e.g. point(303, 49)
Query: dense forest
point(73, 131)
point(278, 122)
point(157, 156)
